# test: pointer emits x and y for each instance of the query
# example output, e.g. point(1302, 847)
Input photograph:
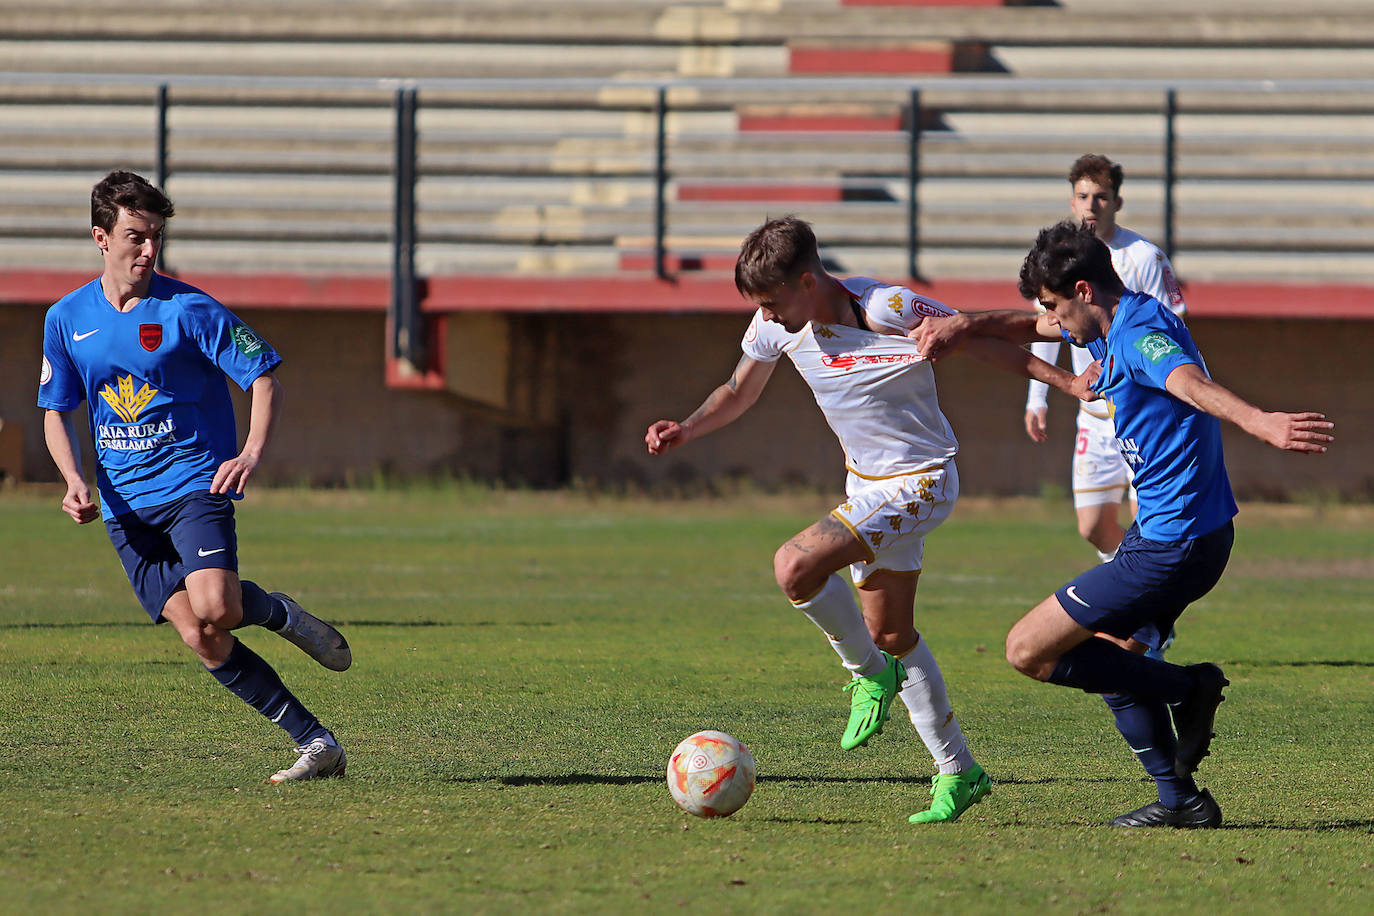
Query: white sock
point(835, 611)
point(923, 692)
point(1106, 556)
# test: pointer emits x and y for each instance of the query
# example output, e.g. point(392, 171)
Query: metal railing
point(670, 154)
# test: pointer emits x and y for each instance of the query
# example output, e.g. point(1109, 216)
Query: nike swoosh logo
point(1072, 593)
point(80, 337)
point(1140, 750)
point(277, 718)
point(205, 553)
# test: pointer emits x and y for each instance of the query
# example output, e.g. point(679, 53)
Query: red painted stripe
point(711, 292)
point(291, 291)
point(828, 123)
point(924, 59)
point(785, 192)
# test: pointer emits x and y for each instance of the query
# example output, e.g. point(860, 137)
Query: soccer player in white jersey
point(848, 339)
point(1101, 478)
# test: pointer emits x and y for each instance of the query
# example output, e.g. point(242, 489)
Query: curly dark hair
point(1062, 255)
point(1098, 168)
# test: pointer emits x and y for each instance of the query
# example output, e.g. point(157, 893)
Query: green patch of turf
point(526, 662)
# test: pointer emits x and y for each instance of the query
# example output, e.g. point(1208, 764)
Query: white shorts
point(1100, 475)
point(893, 516)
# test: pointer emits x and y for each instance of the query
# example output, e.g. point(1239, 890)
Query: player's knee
point(218, 610)
point(200, 639)
point(1024, 657)
point(794, 576)
point(211, 644)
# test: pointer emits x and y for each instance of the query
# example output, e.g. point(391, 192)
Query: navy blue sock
point(252, 680)
point(1149, 731)
point(1098, 666)
point(261, 609)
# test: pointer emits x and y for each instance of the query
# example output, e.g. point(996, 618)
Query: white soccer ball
point(711, 774)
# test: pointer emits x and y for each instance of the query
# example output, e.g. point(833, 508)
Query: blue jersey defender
point(1092, 633)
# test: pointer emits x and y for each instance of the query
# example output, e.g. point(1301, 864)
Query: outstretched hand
point(1296, 432)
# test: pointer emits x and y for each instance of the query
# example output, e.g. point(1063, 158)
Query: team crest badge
point(150, 335)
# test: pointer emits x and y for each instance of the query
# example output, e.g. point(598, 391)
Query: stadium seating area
point(537, 129)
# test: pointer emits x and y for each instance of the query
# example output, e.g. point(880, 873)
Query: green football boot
point(954, 794)
point(869, 702)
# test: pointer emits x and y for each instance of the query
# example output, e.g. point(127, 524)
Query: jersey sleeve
point(899, 309)
point(1154, 276)
point(230, 344)
point(1038, 392)
point(1152, 353)
point(762, 342)
point(59, 383)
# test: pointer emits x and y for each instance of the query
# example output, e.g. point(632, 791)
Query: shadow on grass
point(564, 779)
point(1306, 663)
point(824, 821)
point(1345, 823)
point(341, 623)
point(629, 779)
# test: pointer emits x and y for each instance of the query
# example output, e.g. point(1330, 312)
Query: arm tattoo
point(715, 398)
point(733, 383)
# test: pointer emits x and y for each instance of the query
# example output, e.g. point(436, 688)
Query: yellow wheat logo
point(126, 403)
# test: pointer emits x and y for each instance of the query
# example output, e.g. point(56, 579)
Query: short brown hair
point(774, 254)
point(1098, 168)
point(125, 190)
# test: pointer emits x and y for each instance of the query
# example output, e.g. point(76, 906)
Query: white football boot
point(321, 757)
point(314, 637)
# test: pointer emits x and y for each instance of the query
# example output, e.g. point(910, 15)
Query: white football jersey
point(876, 391)
point(1143, 268)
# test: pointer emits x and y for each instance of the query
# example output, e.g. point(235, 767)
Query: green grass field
point(524, 664)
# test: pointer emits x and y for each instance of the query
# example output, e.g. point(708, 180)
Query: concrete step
point(1230, 22)
point(401, 59)
point(1177, 63)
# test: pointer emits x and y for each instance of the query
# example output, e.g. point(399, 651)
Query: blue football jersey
point(154, 379)
point(1173, 449)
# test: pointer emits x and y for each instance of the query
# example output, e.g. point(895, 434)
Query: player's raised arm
point(721, 406)
point(60, 437)
point(1294, 432)
point(940, 337)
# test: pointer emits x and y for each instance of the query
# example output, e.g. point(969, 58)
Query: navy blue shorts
point(1141, 593)
point(159, 545)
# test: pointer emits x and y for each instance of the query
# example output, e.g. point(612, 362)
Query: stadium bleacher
point(550, 178)
point(537, 132)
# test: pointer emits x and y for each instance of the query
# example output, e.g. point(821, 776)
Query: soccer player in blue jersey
point(1091, 634)
point(149, 355)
